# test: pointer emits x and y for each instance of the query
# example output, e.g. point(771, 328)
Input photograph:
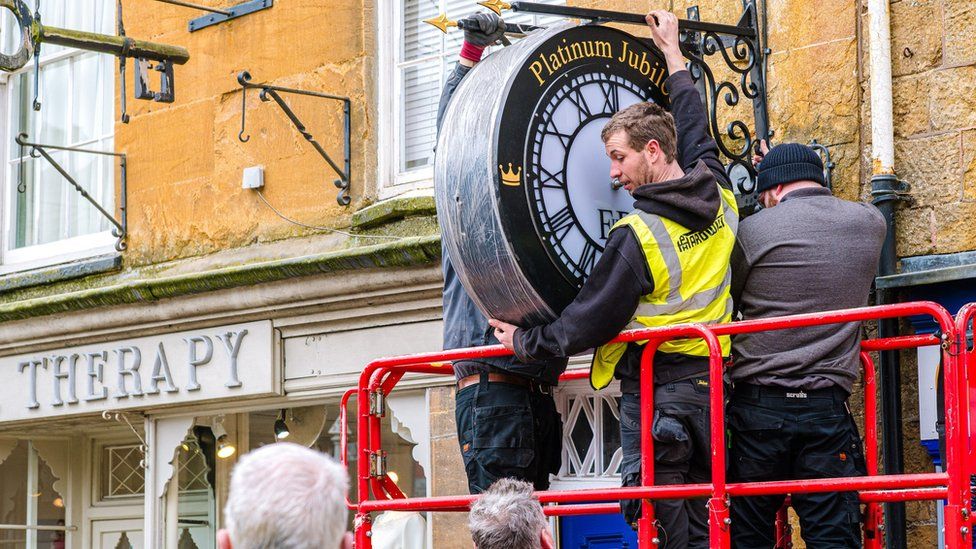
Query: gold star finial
point(495, 5)
point(441, 22)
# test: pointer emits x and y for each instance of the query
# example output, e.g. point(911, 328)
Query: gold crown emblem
point(510, 177)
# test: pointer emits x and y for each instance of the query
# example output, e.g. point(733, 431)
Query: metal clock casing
point(521, 177)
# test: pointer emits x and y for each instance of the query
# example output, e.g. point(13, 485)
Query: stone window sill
point(61, 272)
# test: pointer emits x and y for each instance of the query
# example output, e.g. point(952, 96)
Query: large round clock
point(522, 181)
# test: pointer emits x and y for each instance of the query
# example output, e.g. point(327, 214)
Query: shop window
point(318, 427)
point(123, 475)
point(45, 219)
point(416, 63)
point(591, 432)
point(28, 499)
point(196, 465)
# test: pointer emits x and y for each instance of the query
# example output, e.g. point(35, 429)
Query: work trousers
point(682, 451)
point(507, 431)
point(785, 434)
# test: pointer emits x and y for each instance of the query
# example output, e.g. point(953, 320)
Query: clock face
point(567, 172)
point(556, 199)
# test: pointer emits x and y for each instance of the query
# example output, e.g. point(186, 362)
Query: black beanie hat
point(787, 163)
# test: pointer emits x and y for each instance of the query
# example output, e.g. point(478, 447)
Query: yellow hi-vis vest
point(691, 275)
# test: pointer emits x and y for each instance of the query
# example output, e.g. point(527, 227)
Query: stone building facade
point(322, 289)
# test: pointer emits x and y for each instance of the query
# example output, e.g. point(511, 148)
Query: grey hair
point(507, 517)
point(286, 496)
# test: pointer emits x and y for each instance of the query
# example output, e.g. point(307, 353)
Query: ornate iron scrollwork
point(743, 55)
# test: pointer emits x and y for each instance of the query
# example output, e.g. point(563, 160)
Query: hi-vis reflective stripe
point(668, 253)
point(700, 300)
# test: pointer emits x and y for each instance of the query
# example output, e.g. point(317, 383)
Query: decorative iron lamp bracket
point(120, 232)
point(269, 92)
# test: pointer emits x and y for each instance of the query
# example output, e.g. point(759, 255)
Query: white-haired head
point(507, 517)
point(286, 496)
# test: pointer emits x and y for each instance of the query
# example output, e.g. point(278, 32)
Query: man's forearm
point(675, 60)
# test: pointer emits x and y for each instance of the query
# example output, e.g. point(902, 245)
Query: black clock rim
point(511, 203)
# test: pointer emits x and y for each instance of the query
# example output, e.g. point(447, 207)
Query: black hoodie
point(609, 298)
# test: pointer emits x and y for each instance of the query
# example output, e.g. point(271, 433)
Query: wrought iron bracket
point(144, 90)
point(225, 14)
point(120, 230)
point(269, 92)
point(829, 164)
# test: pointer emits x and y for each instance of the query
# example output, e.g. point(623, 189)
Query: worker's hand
point(504, 333)
point(490, 29)
point(757, 158)
point(664, 30)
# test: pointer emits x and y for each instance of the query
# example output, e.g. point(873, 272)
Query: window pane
point(86, 85)
point(122, 474)
point(421, 85)
point(54, 116)
point(611, 430)
point(13, 495)
point(22, 87)
point(48, 206)
point(419, 38)
point(21, 201)
point(50, 507)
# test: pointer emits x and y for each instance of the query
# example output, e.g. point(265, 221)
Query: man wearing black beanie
point(807, 251)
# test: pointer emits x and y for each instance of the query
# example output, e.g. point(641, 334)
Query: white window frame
point(390, 181)
point(60, 251)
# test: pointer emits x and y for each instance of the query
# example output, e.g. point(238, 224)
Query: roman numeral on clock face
point(561, 222)
point(587, 257)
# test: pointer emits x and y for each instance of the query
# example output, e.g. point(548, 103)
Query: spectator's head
point(642, 145)
point(784, 169)
point(507, 517)
point(286, 496)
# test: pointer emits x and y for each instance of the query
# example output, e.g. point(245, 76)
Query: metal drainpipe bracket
point(236, 11)
point(887, 187)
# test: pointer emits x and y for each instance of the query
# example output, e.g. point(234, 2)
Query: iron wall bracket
point(269, 93)
point(233, 12)
point(121, 225)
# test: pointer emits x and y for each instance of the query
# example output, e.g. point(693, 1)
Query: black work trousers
point(785, 434)
point(682, 453)
point(507, 431)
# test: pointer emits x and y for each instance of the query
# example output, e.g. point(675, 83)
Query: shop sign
point(206, 364)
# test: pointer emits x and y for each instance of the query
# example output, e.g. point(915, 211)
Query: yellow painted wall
point(185, 160)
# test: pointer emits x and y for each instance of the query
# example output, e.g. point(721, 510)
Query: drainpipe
point(886, 192)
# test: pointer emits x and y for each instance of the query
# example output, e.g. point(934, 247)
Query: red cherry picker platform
point(377, 492)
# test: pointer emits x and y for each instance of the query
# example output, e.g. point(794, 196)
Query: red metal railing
point(380, 377)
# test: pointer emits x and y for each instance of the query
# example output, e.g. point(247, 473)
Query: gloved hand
point(490, 29)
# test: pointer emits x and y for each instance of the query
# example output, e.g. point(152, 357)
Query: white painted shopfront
point(181, 372)
point(74, 474)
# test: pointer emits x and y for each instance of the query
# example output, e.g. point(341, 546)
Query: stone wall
point(447, 477)
point(934, 80)
point(185, 159)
